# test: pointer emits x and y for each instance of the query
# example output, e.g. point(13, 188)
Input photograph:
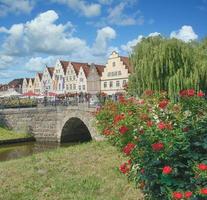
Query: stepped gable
point(126, 62)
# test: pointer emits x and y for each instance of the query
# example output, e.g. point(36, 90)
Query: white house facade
point(115, 74)
point(47, 80)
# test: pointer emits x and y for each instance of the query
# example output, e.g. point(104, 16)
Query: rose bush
point(166, 142)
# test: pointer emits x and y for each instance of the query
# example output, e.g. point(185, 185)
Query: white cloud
point(41, 35)
point(118, 17)
point(130, 44)
point(36, 64)
point(103, 35)
point(186, 33)
point(11, 6)
point(82, 7)
point(5, 61)
point(106, 2)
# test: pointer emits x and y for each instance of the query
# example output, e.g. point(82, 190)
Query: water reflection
point(8, 152)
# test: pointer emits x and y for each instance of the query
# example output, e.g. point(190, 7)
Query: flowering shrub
point(166, 142)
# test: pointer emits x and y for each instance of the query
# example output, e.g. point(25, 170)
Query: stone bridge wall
point(46, 123)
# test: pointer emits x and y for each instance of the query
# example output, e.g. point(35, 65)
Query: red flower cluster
point(124, 168)
point(123, 130)
point(179, 195)
point(128, 148)
point(200, 94)
point(163, 104)
point(122, 99)
point(203, 191)
point(150, 123)
point(166, 170)
point(107, 132)
point(202, 167)
point(189, 93)
point(144, 117)
point(157, 146)
point(118, 118)
point(161, 125)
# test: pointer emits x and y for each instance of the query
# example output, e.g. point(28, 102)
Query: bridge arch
point(74, 130)
point(75, 126)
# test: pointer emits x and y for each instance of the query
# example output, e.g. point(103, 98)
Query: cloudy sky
point(35, 33)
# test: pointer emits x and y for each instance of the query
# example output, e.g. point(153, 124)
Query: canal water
point(13, 151)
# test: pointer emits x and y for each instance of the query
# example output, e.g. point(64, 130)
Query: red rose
point(163, 104)
point(144, 117)
point(123, 130)
point(183, 93)
point(177, 195)
point(124, 168)
point(202, 167)
point(203, 191)
point(161, 125)
point(149, 123)
point(186, 129)
point(128, 148)
point(118, 118)
point(200, 94)
point(157, 146)
point(191, 92)
point(166, 170)
point(107, 132)
point(188, 194)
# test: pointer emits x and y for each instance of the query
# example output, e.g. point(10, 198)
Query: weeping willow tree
point(168, 64)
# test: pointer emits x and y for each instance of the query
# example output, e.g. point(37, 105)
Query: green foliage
point(168, 64)
point(161, 134)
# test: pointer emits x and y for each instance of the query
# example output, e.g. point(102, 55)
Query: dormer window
point(114, 64)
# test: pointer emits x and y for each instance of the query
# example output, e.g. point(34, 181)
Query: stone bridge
point(59, 124)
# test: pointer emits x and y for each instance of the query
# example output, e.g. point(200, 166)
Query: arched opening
point(75, 130)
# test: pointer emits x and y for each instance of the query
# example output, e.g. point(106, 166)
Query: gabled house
point(25, 85)
point(30, 87)
point(37, 83)
point(94, 78)
point(115, 74)
point(82, 78)
point(59, 76)
point(47, 80)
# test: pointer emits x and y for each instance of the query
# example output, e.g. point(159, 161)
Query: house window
point(114, 64)
point(124, 83)
point(81, 79)
point(74, 86)
point(105, 84)
point(70, 78)
point(119, 72)
point(74, 77)
point(79, 87)
point(117, 84)
point(84, 87)
point(67, 87)
point(111, 84)
point(71, 87)
point(59, 86)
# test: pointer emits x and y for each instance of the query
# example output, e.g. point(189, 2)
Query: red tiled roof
point(126, 62)
point(16, 83)
point(40, 76)
point(51, 71)
point(78, 65)
point(100, 69)
point(64, 65)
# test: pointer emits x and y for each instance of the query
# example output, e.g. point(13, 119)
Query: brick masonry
point(46, 124)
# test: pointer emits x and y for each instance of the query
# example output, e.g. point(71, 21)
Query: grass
point(82, 172)
point(6, 134)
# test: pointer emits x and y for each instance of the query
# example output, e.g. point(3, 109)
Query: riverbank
point(84, 172)
point(6, 134)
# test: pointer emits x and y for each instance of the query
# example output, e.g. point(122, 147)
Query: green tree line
point(168, 64)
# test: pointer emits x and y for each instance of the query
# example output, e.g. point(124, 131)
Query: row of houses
point(76, 77)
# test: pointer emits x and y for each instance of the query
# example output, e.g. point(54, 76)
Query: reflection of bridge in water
point(60, 124)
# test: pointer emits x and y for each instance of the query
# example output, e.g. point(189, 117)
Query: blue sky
point(35, 33)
